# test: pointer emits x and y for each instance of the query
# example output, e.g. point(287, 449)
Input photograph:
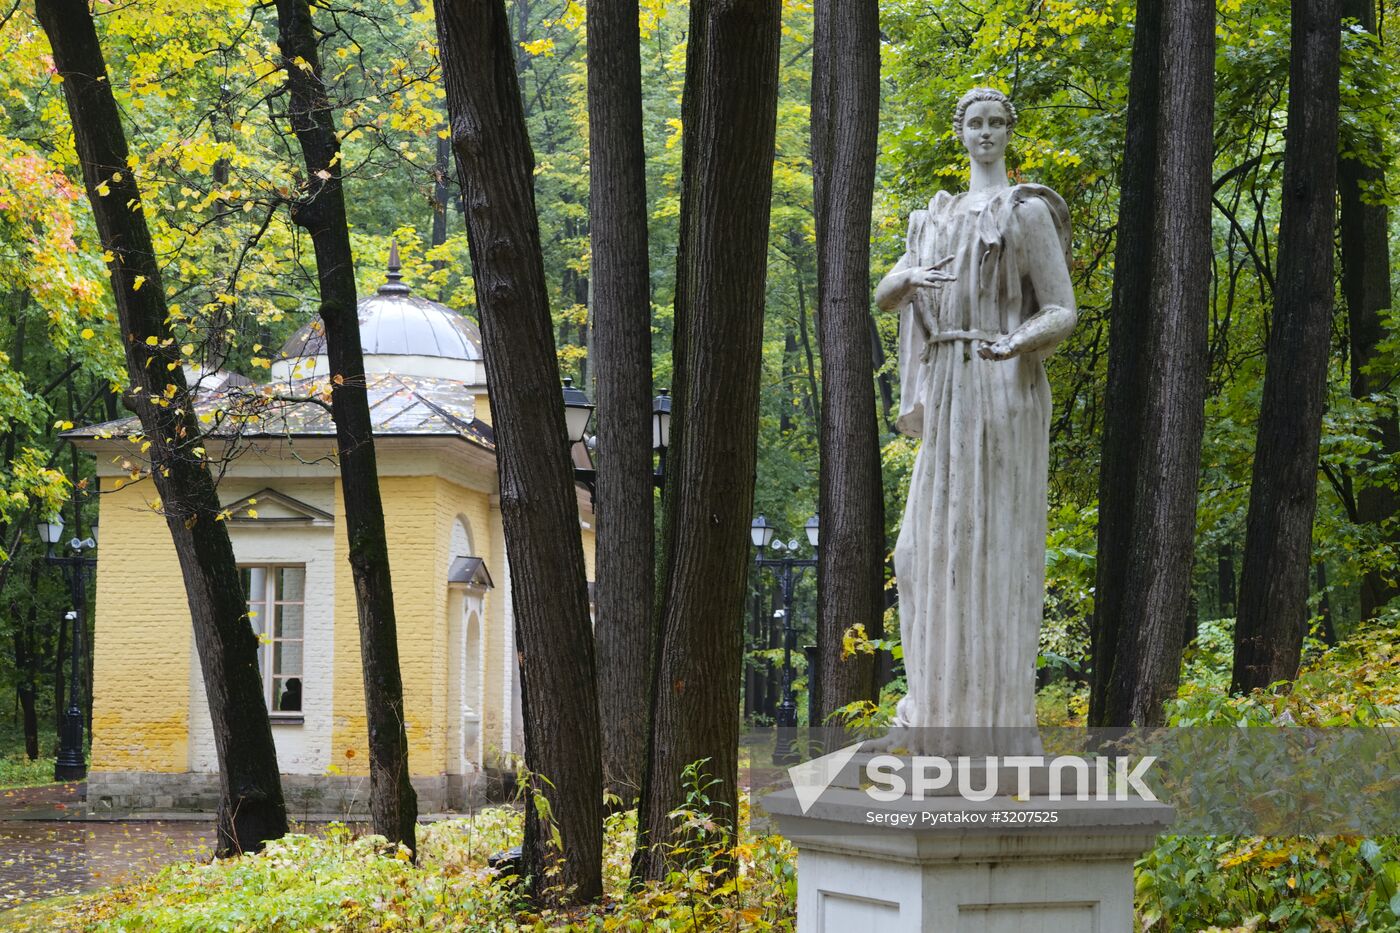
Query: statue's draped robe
point(970, 559)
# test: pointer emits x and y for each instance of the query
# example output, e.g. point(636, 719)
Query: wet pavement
point(47, 848)
point(39, 860)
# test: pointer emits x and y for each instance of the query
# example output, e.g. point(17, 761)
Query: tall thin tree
point(845, 131)
point(729, 114)
point(1157, 366)
point(622, 357)
point(251, 807)
point(1274, 579)
point(539, 509)
point(1365, 254)
point(320, 210)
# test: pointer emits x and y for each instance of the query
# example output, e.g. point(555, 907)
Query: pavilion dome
point(399, 333)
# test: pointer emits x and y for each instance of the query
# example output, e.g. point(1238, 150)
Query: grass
point(338, 880)
point(16, 770)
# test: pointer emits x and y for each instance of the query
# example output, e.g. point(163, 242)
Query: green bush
point(340, 881)
point(1296, 883)
point(16, 770)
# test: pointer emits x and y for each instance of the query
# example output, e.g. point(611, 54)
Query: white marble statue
point(984, 296)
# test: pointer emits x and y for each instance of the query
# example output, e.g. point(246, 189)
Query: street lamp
point(761, 533)
point(578, 412)
point(661, 434)
point(71, 765)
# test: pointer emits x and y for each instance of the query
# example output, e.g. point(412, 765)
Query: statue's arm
point(1054, 293)
point(895, 289)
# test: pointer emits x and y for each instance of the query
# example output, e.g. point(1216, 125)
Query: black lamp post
point(785, 568)
point(71, 764)
point(578, 411)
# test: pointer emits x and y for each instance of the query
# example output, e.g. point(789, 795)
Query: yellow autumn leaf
point(152, 340)
point(87, 333)
point(137, 282)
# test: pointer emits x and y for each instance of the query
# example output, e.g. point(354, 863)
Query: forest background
point(197, 83)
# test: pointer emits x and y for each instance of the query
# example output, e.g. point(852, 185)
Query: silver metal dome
point(394, 322)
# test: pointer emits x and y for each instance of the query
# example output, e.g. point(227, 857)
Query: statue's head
point(983, 121)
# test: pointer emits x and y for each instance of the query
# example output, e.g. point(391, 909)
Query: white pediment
point(270, 507)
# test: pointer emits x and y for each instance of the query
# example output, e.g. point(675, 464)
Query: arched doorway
point(468, 584)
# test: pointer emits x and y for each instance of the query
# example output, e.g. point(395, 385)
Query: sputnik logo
point(811, 778)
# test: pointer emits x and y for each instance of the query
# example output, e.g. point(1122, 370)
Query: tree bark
point(539, 508)
point(320, 210)
point(1283, 497)
point(845, 129)
point(27, 665)
point(1157, 360)
point(622, 345)
point(251, 808)
point(729, 113)
point(442, 196)
point(1365, 253)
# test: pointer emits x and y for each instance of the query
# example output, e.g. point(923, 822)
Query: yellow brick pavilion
point(152, 744)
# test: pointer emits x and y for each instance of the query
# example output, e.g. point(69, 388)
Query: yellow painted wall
point(144, 657)
point(141, 679)
point(418, 544)
point(590, 566)
point(475, 507)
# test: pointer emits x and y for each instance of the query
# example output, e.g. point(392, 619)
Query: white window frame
point(266, 640)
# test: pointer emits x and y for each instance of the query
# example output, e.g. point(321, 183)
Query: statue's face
point(985, 131)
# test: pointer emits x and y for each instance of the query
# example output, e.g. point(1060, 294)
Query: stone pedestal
point(947, 869)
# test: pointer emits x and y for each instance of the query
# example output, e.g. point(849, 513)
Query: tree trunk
point(845, 128)
point(539, 507)
point(320, 210)
point(729, 112)
point(60, 682)
point(1283, 497)
point(1225, 581)
point(1152, 432)
point(442, 196)
point(27, 664)
point(251, 809)
point(622, 344)
point(1365, 252)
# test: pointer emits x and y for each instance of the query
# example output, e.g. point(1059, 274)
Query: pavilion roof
point(399, 405)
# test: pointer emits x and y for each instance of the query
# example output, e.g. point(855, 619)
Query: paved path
point(48, 848)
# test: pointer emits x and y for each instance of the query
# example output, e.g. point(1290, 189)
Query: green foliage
point(1356, 683)
point(1289, 883)
point(341, 881)
point(1293, 884)
point(16, 768)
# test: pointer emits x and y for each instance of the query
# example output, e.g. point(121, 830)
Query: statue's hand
point(1001, 350)
point(931, 276)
